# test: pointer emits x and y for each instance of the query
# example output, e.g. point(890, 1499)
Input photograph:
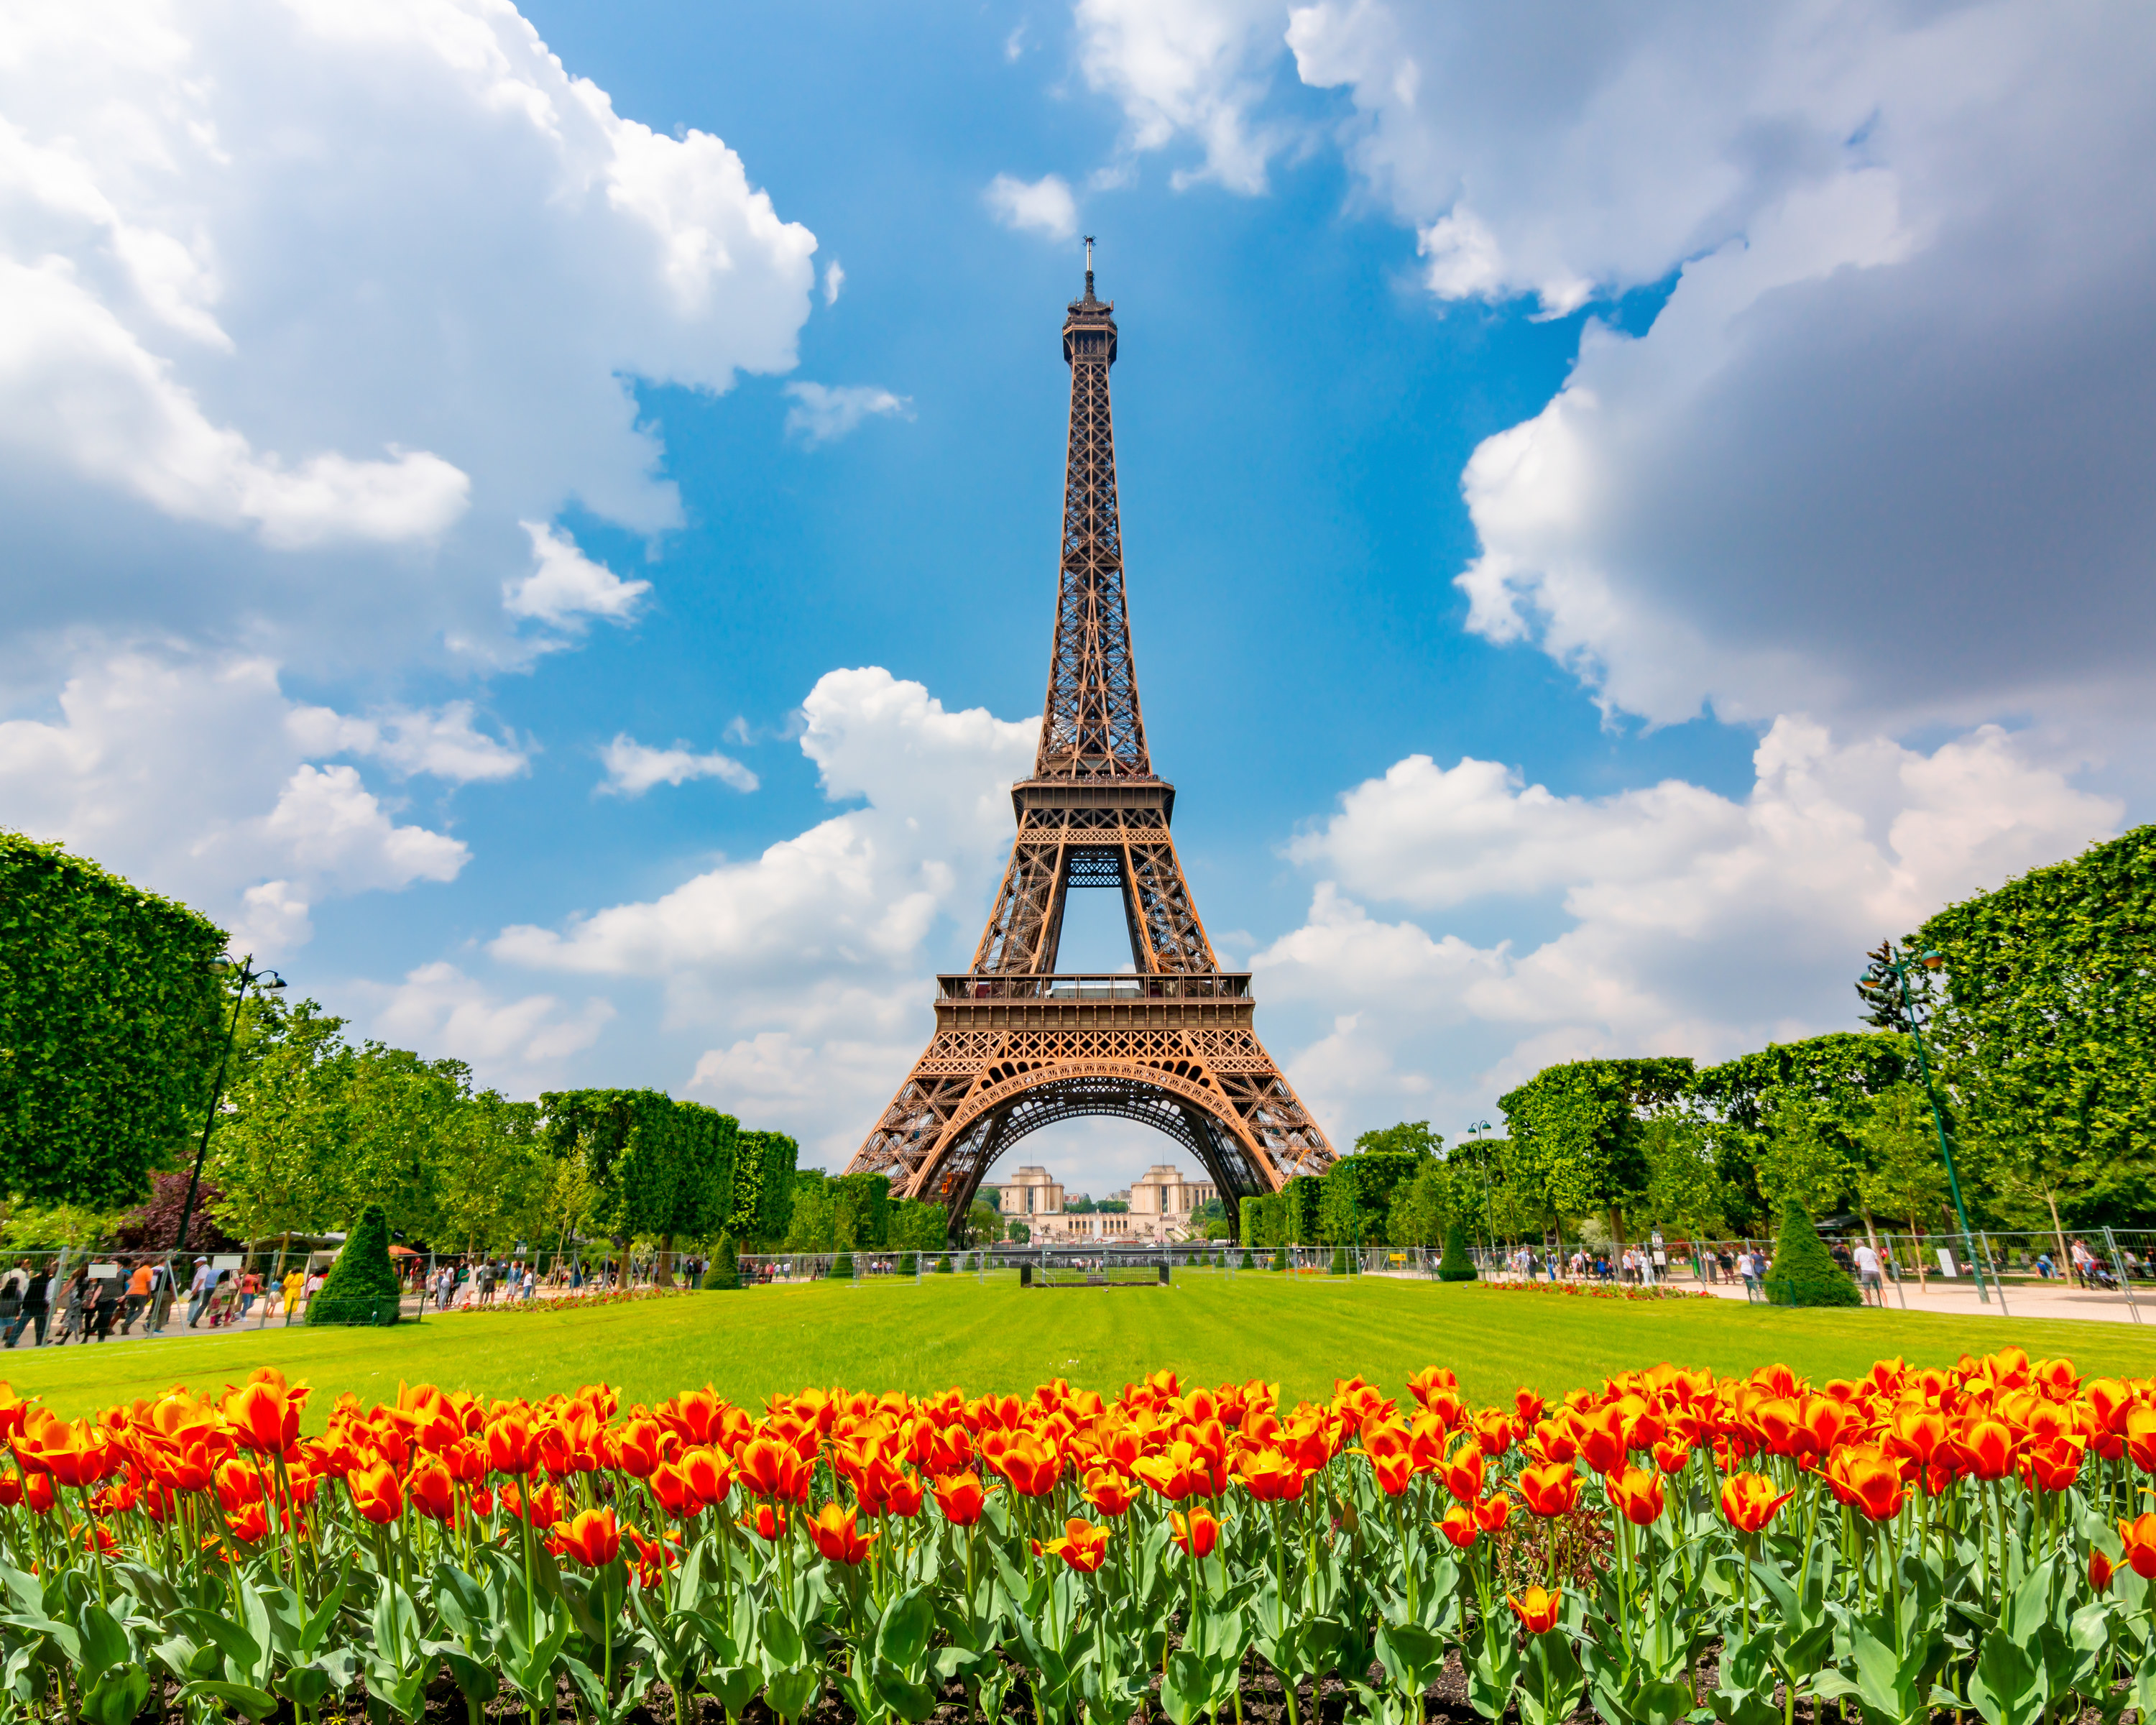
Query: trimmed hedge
point(362, 1286)
point(1455, 1266)
point(1803, 1273)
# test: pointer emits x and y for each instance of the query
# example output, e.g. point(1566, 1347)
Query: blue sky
point(1623, 509)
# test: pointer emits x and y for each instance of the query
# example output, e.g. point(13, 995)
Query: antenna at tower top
point(1089, 266)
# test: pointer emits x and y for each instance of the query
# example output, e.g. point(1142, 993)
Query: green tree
point(1018, 1234)
point(1410, 1138)
point(809, 1225)
point(1805, 1160)
point(275, 1160)
point(1684, 1189)
point(111, 1025)
point(494, 1185)
point(2046, 1037)
point(1907, 1181)
point(394, 1107)
point(1823, 1086)
point(1578, 1142)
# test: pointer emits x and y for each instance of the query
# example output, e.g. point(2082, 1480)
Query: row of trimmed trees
point(114, 1026)
point(2038, 1010)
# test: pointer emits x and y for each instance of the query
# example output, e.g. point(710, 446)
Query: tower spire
point(1090, 726)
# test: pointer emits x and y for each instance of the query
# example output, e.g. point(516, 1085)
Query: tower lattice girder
point(1018, 1045)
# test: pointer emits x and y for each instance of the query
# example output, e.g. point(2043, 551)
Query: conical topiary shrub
point(1804, 1275)
point(909, 1264)
point(942, 1265)
point(842, 1267)
point(1280, 1258)
point(1455, 1266)
point(1340, 1260)
point(1247, 1264)
point(361, 1287)
point(726, 1266)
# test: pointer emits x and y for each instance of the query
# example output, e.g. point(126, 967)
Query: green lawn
point(947, 1330)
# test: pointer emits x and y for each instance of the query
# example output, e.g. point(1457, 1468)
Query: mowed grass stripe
point(883, 1334)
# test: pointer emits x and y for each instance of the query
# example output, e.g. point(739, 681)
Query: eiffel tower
point(1020, 1045)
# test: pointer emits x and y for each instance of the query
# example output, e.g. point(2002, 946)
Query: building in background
point(1162, 1201)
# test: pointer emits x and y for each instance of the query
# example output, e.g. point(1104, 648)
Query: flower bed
point(1909, 1540)
point(1604, 1291)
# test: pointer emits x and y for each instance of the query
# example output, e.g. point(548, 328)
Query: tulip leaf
point(908, 1622)
point(1185, 1689)
point(242, 1699)
point(103, 1642)
point(2007, 1687)
point(790, 1694)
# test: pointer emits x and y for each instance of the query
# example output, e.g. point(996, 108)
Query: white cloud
point(1893, 397)
point(444, 744)
point(518, 1045)
point(820, 413)
point(1694, 924)
point(835, 278)
point(77, 388)
point(1887, 402)
point(566, 587)
point(1199, 67)
point(196, 778)
point(304, 308)
point(634, 768)
point(1042, 206)
point(814, 957)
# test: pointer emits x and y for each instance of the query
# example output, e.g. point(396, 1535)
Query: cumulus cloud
point(1691, 923)
point(300, 321)
point(517, 1044)
point(444, 743)
point(814, 956)
point(198, 778)
point(634, 768)
point(1195, 67)
point(821, 413)
point(1042, 206)
point(565, 586)
point(1895, 393)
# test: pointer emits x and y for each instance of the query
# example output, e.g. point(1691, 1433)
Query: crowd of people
point(98, 1300)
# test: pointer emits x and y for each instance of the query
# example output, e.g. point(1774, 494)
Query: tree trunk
point(2051, 1198)
point(662, 1265)
point(1916, 1249)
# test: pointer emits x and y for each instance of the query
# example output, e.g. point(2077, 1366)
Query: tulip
point(836, 1537)
point(433, 1490)
point(263, 1418)
point(11, 1489)
point(1459, 1526)
point(250, 1524)
point(770, 1468)
point(669, 1485)
point(653, 1557)
point(1537, 1609)
point(766, 1524)
point(593, 1538)
point(37, 1493)
point(2099, 1570)
point(960, 1499)
point(1551, 1488)
point(1602, 1440)
point(1868, 1482)
point(1196, 1533)
point(511, 1445)
point(376, 1493)
point(1083, 1546)
point(1671, 1456)
point(2055, 1466)
point(1463, 1478)
point(1493, 1512)
point(902, 1496)
point(2140, 1537)
point(1270, 1477)
point(710, 1475)
point(637, 1447)
point(1749, 1500)
point(1636, 1494)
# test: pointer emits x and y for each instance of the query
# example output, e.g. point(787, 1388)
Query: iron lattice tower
point(1020, 1045)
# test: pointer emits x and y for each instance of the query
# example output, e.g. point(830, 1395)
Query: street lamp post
point(248, 977)
point(1482, 1167)
point(1886, 962)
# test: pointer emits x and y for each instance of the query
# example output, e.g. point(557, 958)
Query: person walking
point(198, 1287)
point(138, 1296)
point(36, 1307)
point(71, 1305)
point(1870, 1284)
